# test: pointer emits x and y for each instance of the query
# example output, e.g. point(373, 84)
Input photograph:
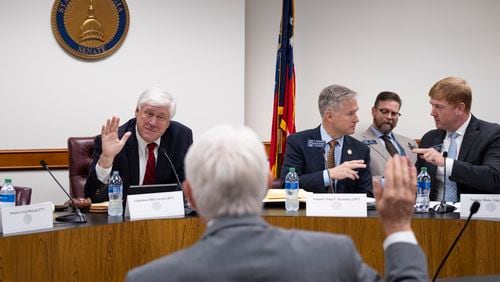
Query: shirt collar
point(142, 143)
point(380, 134)
point(327, 138)
point(461, 130)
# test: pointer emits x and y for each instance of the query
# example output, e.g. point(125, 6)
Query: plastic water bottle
point(115, 194)
point(423, 190)
point(7, 194)
point(292, 190)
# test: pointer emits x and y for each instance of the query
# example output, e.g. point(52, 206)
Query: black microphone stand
point(473, 209)
point(78, 216)
point(443, 207)
point(187, 209)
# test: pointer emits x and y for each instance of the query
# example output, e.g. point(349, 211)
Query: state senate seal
point(90, 29)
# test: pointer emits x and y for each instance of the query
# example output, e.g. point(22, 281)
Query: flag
point(284, 90)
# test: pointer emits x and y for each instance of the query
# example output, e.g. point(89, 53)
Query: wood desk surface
point(104, 249)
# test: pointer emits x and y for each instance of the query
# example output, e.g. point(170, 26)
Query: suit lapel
point(379, 148)
point(316, 153)
point(470, 136)
point(133, 157)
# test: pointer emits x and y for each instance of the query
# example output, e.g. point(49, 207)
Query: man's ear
point(189, 194)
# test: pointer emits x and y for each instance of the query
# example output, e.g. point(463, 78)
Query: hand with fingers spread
point(430, 155)
point(347, 170)
point(395, 202)
point(111, 143)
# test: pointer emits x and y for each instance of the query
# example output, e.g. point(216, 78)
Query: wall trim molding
point(29, 159)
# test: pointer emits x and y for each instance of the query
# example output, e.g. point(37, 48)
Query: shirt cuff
point(326, 180)
point(103, 174)
point(400, 237)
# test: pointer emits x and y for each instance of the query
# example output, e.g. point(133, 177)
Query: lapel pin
point(349, 152)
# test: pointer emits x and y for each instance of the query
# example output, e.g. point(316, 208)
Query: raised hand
point(395, 201)
point(111, 143)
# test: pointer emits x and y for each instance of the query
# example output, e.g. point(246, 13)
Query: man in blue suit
point(341, 164)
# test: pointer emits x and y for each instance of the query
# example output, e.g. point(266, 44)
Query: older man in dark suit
point(136, 148)
point(472, 145)
point(340, 165)
point(226, 178)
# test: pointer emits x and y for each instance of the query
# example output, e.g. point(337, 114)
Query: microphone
point(331, 188)
point(187, 209)
point(443, 207)
point(77, 217)
point(473, 209)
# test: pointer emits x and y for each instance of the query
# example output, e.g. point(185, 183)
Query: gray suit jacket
point(378, 152)
point(249, 249)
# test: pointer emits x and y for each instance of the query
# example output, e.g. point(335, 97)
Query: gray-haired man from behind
point(226, 176)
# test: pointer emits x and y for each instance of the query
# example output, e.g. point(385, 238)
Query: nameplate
point(348, 205)
point(311, 143)
point(490, 205)
point(154, 205)
point(27, 218)
point(369, 141)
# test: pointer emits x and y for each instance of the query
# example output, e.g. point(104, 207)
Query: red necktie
point(149, 176)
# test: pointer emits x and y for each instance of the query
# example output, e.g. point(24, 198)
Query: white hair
point(156, 96)
point(227, 169)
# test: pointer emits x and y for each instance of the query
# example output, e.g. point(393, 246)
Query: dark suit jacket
point(176, 141)
point(309, 163)
point(477, 168)
point(249, 249)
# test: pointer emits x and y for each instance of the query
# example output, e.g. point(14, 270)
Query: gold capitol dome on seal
point(90, 29)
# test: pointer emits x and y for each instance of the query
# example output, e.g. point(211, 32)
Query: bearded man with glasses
point(381, 139)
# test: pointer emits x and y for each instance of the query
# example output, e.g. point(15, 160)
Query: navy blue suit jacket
point(309, 163)
point(176, 141)
point(477, 168)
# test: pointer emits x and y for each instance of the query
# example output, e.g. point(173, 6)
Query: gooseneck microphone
point(78, 216)
point(473, 209)
point(187, 209)
point(331, 188)
point(443, 207)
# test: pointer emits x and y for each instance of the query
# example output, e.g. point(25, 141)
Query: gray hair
point(332, 96)
point(156, 96)
point(228, 171)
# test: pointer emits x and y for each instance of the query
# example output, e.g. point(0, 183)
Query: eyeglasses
point(149, 115)
point(386, 112)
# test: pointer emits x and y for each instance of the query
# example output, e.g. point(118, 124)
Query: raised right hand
point(111, 143)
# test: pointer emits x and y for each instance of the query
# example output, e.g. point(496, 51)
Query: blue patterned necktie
point(451, 186)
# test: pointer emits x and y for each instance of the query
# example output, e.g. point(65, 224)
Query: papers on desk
point(278, 195)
